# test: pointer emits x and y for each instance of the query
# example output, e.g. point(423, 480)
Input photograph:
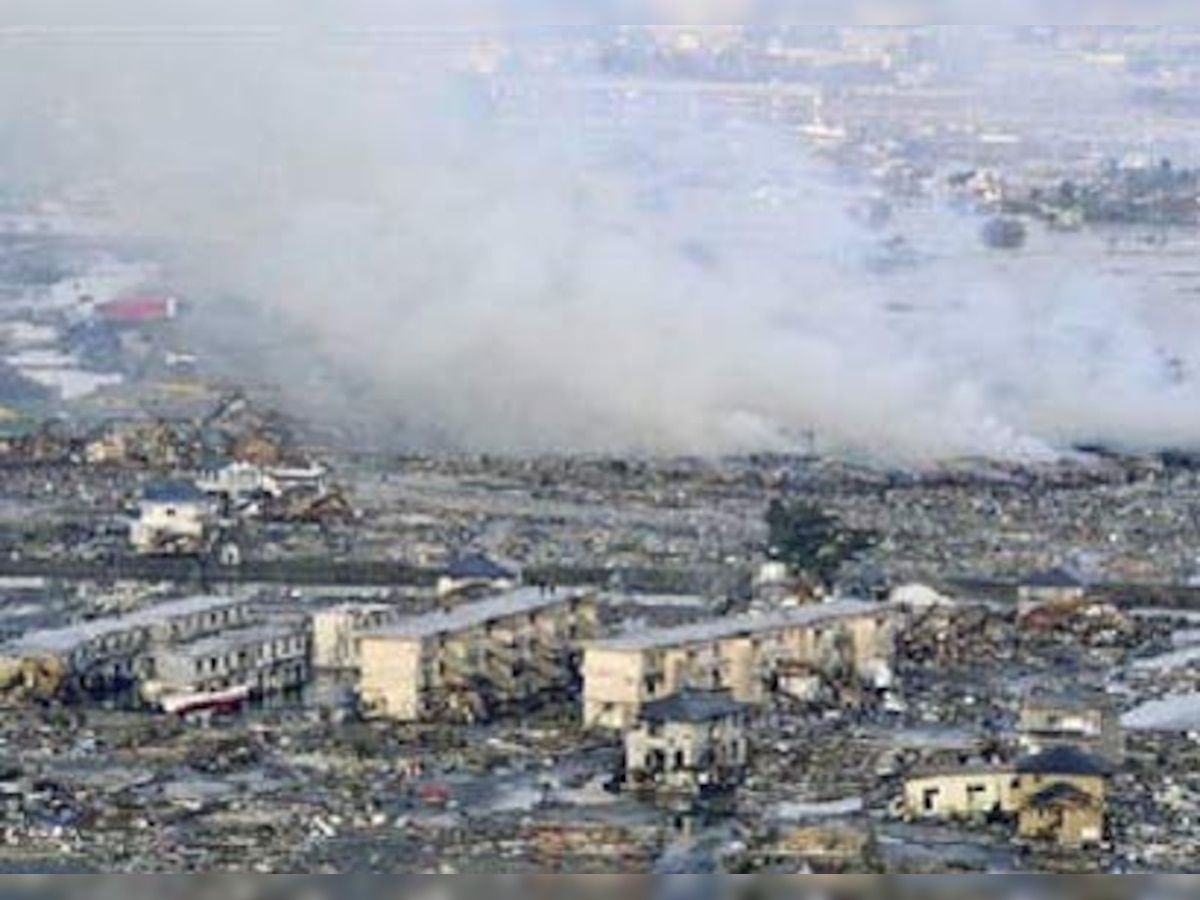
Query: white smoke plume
point(585, 270)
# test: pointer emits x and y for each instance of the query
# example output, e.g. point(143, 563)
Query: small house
point(173, 516)
point(691, 743)
point(1088, 720)
point(1063, 795)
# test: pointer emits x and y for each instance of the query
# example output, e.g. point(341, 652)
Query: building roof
point(473, 615)
point(475, 566)
point(718, 629)
point(1063, 761)
point(64, 640)
point(1052, 578)
point(229, 641)
point(1079, 699)
point(692, 706)
point(172, 492)
point(1062, 793)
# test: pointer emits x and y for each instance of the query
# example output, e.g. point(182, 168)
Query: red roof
point(141, 308)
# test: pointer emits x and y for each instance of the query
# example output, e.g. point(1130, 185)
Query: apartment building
point(114, 652)
point(473, 661)
point(264, 659)
point(743, 655)
point(336, 633)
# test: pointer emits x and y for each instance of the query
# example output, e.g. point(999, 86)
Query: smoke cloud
point(545, 261)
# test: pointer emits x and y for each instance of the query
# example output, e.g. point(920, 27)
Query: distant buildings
point(467, 663)
point(173, 517)
point(742, 655)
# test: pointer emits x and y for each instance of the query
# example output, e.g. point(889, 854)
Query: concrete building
point(1063, 814)
point(235, 481)
point(689, 745)
point(743, 655)
point(473, 661)
point(1087, 720)
point(962, 793)
point(336, 634)
point(115, 652)
point(1058, 795)
point(1063, 797)
point(267, 659)
point(173, 517)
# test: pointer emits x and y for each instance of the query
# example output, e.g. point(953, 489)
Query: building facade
point(1057, 796)
point(743, 655)
point(474, 661)
point(266, 659)
point(688, 745)
point(336, 634)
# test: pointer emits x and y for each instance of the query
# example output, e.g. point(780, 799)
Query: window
point(930, 799)
point(976, 795)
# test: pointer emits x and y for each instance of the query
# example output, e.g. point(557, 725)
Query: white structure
point(336, 643)
point(474, 571)
point(173, 517)
point(235, 481)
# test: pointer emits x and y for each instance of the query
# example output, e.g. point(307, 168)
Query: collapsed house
point(470, 662)
point(744, 655)
point(1058, 796)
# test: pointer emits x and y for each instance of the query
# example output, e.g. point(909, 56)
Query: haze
point(481, 254)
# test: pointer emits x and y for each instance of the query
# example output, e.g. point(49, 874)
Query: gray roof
point(1064, 761)
point(1054, 578)
point(172, 492)
point(477, 566)
point(1076, 699)
point(64, 640)
point(693, 706)
point(229, 641)
point(718, 629)
point(1061, 792)
point(473, 615)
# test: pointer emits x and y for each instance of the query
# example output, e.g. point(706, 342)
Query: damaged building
point(469, 662)
point(746, 655)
